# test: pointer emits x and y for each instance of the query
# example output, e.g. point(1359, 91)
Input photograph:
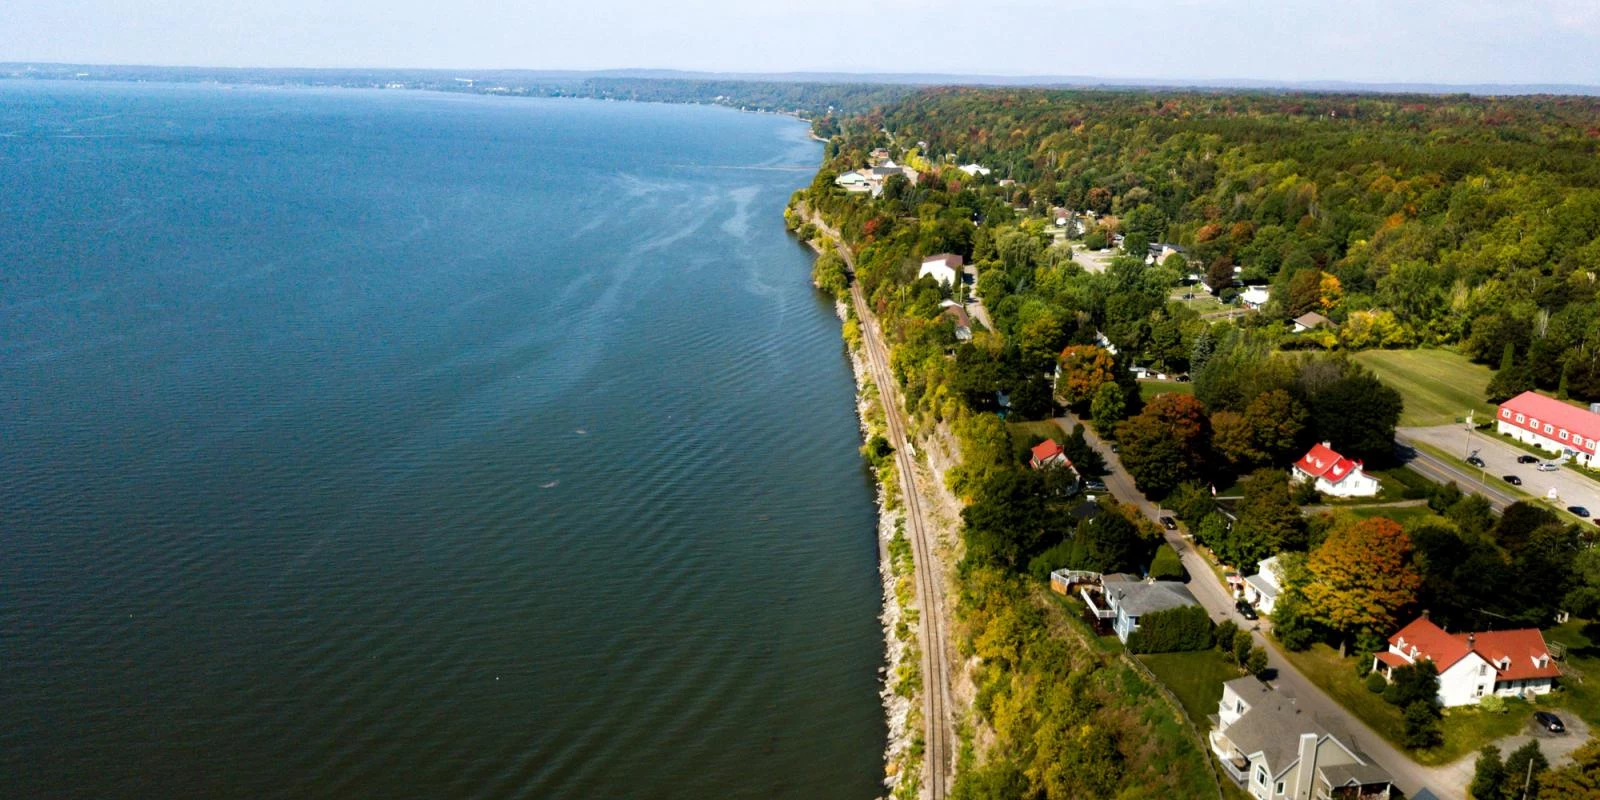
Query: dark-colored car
point(1171, 525)
point(1579, 511)
point(1549, 722)
point(1246, 610)
point(1511, 479)
point(1527, 459)
point(1475, 461)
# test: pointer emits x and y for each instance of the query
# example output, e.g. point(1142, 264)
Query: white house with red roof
point(1334, 474)
point(1474, 665)
point(1549, 424)
point(1049, 453)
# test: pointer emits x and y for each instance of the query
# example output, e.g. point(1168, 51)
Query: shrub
point(1172, 630)
point(1256, 664)
point(1422, 725)
point(1493, 704)
point(1376, 683)
point(1167, 566)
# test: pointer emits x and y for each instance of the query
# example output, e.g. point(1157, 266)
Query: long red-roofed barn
point(1549, 424)
point(1474, 665)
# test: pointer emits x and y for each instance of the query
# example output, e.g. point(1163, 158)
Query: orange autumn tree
point(1084, 369)
point(1361, 578)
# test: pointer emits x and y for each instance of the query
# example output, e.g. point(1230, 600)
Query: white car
point(1548, 467)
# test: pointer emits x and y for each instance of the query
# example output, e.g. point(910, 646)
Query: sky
point(1434, 41)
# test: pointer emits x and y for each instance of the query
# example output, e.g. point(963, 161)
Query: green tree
point(1488, 775)
point(1234, 438)
point(1525, 770)
point(1277, 420)
point(1164, 444)
point(1269, 522)
point(1421, 728)
point(1108, 408)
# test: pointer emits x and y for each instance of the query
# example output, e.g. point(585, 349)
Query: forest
point(1460, 222)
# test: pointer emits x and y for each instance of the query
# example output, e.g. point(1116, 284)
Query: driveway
point(1500, 458)
point(1219, 603)
point(1557, 747)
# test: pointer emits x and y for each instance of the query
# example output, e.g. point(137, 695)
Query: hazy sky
point(1448, 41)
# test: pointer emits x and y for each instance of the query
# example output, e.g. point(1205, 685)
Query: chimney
point(1472, 641)
point(1306, 776)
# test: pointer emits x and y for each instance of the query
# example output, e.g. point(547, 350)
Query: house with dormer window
point(1334, 474)
point(1474, 665)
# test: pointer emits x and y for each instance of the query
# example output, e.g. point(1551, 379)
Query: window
point(1548, 428)
point(1238, 707)
point(1261, 775)
point(1506, 413)
point(1478, 692)
point(1521, 418)
point(1483, 669)
point(1563, 436)
point(1279, 790)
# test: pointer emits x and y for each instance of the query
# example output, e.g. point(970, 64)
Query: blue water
point(389, 444)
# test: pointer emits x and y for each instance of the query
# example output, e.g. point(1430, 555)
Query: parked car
point(1549, 722)
point(1246, 610)
point(1511, 479)
point(1579, 511)
point(1527, 459)
point(1094, 486)
point(1548, 467)
point(1171, 525)
point(1475, 461)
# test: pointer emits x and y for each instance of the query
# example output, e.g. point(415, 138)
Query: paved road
point(1499, 458)
point(1219, 602)
point(939, 738)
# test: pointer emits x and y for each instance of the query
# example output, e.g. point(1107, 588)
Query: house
point(974, 169)
point(1277, 751)
point(879, 154)
point(1549, 424)
point(1311, 320)
point(1334, 474)
point(1005, 182)
point(1159, 252)
point(1474, 665)
point(1049, 453)
point(944, 268)
point(853, 182)
point(1254, 296)
point(1123, 600)
point(1262, 589)
point(958, 315)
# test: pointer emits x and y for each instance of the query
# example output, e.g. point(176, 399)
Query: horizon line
point(931, 79)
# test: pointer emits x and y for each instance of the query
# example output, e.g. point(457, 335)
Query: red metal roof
point(1392, 659)
point(1582, 425)
point(1523, 647)
point(1046, 450)
point(1423, 639)
point(1322, 462)
point(1519, 651)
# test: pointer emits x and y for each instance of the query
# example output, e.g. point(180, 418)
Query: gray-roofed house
point(1276, 751)
point(1310, 320)
point(1128, 601)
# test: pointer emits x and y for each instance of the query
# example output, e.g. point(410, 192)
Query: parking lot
point(1500, 459)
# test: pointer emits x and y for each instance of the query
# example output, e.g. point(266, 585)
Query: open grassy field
point(1439, 386)
point(1149, 389)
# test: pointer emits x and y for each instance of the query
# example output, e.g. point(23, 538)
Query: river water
point(391, 444)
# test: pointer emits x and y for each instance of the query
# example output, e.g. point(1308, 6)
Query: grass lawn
point(1149, 389)
point(1466, 729)
point(1021, 431)
point(1407, 516)
point(1438, 386)
point(1196, 678)
point(1582, 639)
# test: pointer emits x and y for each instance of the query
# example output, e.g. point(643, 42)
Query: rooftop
point(1138, 599)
